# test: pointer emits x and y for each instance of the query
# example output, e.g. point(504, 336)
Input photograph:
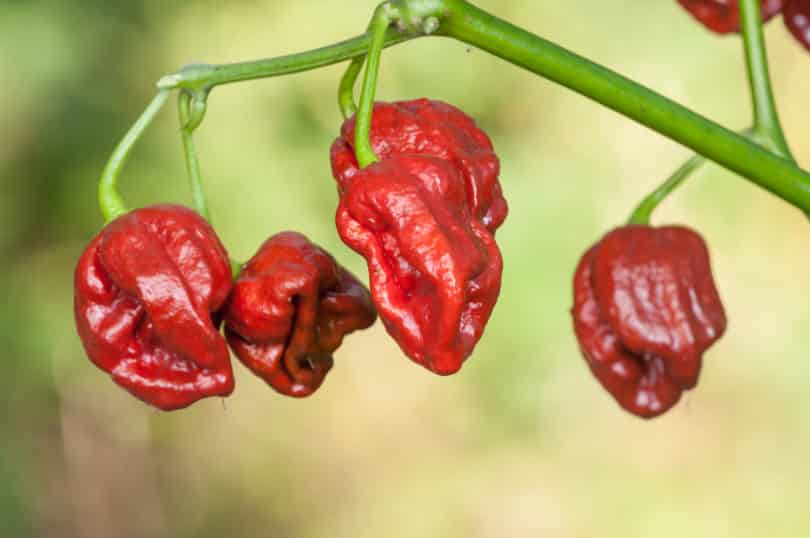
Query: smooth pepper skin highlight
point(290, 309)
point(645, 310)
point(146, 291)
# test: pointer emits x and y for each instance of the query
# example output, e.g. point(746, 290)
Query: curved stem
point(110, 202)
point(347, 82)
point(346, 87)
point(471, 25)
point(766, 117)
point(642, 213)
point(362, 143)
point(205, 77)
point(463, 21)
point(191, 110)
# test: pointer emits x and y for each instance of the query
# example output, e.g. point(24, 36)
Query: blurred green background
point(523, 442)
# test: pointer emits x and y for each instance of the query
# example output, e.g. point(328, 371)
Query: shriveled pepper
point(645, 310)
point(289, 310)
point(723, 16)
point(427, 127)
point(146, 291)
point(435, 271)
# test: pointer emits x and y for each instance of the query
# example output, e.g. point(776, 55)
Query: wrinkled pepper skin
point(797, 19)
point(435, 271)
point(437, 129)
point(289, 310)
point(723, 16)
point(146, 289)
point(645, 310)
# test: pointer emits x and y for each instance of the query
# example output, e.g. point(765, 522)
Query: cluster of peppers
point(155, 287)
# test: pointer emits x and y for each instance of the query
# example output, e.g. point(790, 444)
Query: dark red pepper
point(289, 310)
point(146, 289)
point(645, 310)
point(723, 16)
point(797, 18)
point(433, 128)
point(435, 271)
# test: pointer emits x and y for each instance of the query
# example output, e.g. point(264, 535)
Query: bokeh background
point(523, 442)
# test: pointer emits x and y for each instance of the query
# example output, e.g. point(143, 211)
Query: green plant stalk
point(778, 175)
point(461, 20)
point(204, 77)
point(110, 202)
point(189, 122)
point(643, 212)
point(414, 18)
point(766, 131)
point(362, 132)
point(766, 117)
point(191, 110)
point(347, 82)
point(346, 87)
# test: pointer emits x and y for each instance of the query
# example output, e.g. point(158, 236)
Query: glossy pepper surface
point(645, 310)
point(435, 271)
point(146, 290)
point(723, 16)
point(434, 128)
point(289, 310)
point(797, 19)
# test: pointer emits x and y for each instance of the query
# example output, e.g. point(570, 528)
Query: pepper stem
point(767, 129)
point(766, 117)
point(191, 110)
point(347, 82)
point(346, 87)
point(463, 21)
point(643, 212)
point(362, 142)
point(109, 201)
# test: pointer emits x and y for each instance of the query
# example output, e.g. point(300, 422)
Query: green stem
point(236, 268)
point(642, 213)
point(413, 18)
point(191, 110)
point(205, 77)
point(471, 25)
point(463, 21)
point(347, 82)
point(766, 117)
point(362, 132)
point(766, 131)
point(110, 202)
point(346, 88)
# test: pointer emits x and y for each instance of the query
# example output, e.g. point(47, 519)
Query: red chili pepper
point(431, 128)
point(723, 16)
point(797, 19)
point(435, 271)
point(146, 289)
point(645, 310)
point(289, 311)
